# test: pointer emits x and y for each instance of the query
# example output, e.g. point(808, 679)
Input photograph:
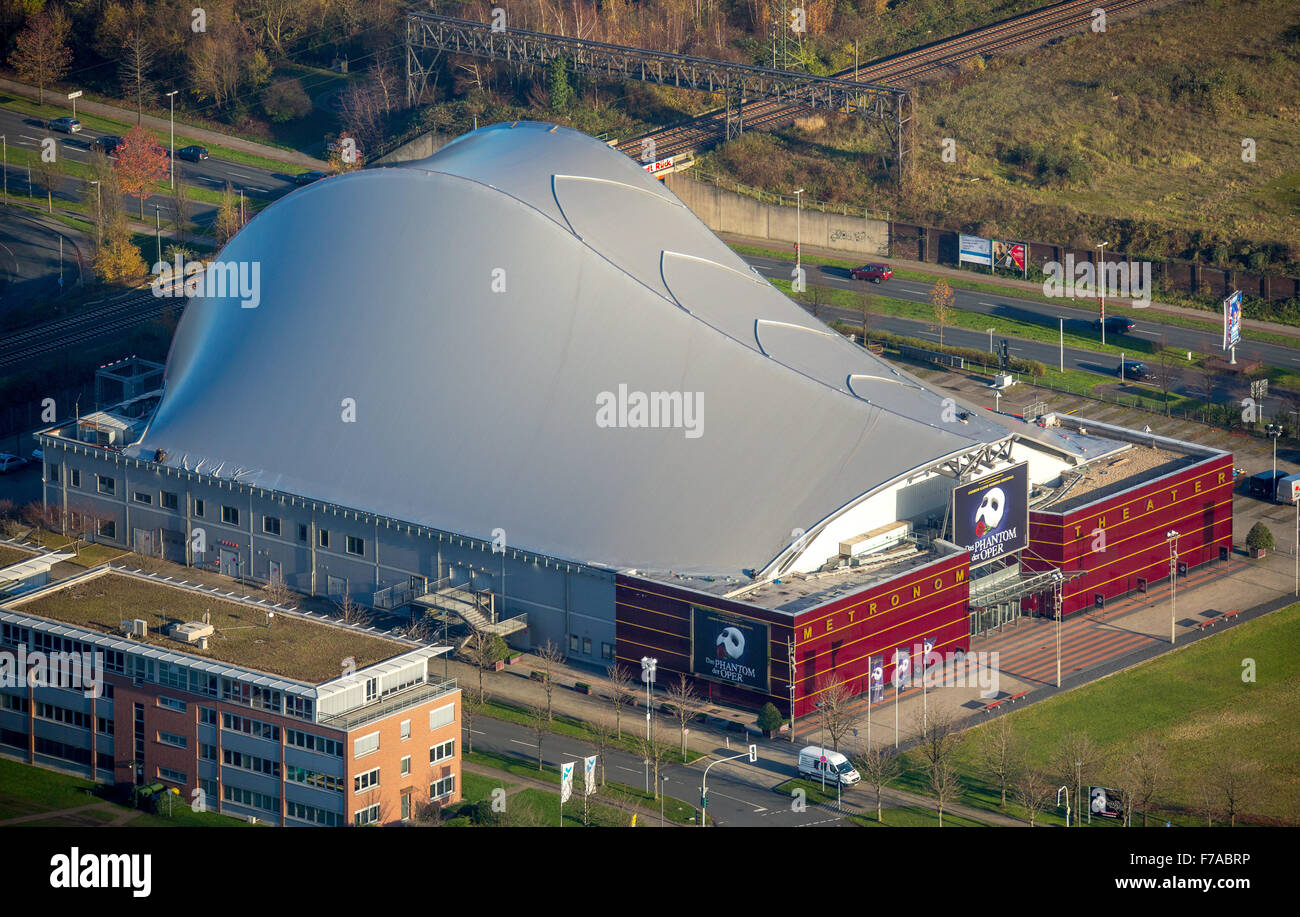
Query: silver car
point(65, 125)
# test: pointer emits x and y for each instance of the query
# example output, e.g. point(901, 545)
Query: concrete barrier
point(726, 211)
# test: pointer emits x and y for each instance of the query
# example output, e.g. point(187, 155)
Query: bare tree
point(1165, 374)
point(685, 704)
point(538, 722)
point(1076, 758)
point(1000, 753)
point(1231, 780)
point(602, 736)
point(469, 707)
point(350, 612)
point(620, 693)
point(482, 651)
point(945, 784)
point(836, 704)
point(1149, 766)
point(1032, 791)
point(549, 660)
point(277, 590)
point(938, 739)
point(656, 752)
point(867, 303)
point(879, 767)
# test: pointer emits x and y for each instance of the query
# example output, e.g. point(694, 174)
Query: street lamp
point(1078, 788)
point(663, 783)
point(1101, 286)
point(704, 781)
point(798, 227)
point(157, 229)
point(171, 103)
point(1274, 430)
point(1066, 791)
point(4, 164)
point(1172, 537)
point(648, 676)
point(990, 340)
point(822, 712)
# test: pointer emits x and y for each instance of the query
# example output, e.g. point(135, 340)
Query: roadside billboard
point(1009, 255)
point(991, 515)
point(974, 249)
point(1104, 802)
point(729, 649)
point(1232, 320)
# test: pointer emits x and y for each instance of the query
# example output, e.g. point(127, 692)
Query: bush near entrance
point(1259, 540)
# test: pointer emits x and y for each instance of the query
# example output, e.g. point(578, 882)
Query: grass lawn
point(1195, 703)
point(10, 556)
point(476, 787)
point(290, 647)
point(913, 817)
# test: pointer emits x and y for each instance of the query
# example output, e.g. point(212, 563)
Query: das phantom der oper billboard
point(991, 515)
point(729, 649)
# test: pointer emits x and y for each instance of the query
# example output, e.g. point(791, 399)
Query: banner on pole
point(877, 666)
point(566, 781)
point(1232, 320)
point(589, 775)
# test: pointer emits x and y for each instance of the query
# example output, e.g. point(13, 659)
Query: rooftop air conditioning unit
point(139, 628)
point(191, 632)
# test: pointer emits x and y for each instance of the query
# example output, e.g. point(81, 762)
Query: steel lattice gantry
point(429, 35)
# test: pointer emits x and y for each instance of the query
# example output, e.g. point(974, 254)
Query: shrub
point(1260, 538)
point(285, 100)
point(770, 718)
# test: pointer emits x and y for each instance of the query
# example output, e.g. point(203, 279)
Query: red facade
point(840, 638)
point(1119, 541)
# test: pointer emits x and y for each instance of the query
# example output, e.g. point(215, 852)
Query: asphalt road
point(1077, 320)
point(740, 793)
point(30, 258)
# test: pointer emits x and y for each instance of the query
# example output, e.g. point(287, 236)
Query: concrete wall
point(726, 211)
point(421, 147)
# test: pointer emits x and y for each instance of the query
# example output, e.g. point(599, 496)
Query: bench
point(1229, 615)
point(990, 706)
point(1205, 624)
point(1016, 697)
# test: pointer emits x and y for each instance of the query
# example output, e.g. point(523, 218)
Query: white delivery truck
point(815, 762)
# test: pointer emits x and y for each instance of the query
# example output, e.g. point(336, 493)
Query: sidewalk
point(59, 98)
point(1010, 283)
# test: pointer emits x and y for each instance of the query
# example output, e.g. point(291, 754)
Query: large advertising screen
point(1232, 320)
point(991, 515)
point(729, 649)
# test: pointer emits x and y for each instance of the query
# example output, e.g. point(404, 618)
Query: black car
point(1132, 369)
point(1115, 324)
point(306, 178)
point(107, 145)
point(192, 153)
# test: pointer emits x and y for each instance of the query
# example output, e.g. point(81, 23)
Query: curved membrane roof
point(478, 307)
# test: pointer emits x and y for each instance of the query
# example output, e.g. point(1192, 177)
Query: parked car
point(192, 153)
point(306, 178)
point(65, 125)
point(873, 272)
point(1115, 324)
point(815, 762)
point(1132, 369)
point(38, 455)
point(107, 144)
point(10, 462)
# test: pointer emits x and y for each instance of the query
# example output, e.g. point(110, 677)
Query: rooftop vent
point(191, 632)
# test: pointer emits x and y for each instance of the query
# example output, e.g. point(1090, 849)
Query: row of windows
point(55, 749)
point(172, 703)
point(312, 814)
point(311, 742)
point(207, 752)
point(367, 781)
point(250, 726)
point(444, 787)
point(249, 798)
point(59, 714)
point(172, 739)
point(175, 776)
point(583, 645)
point(367, 816)
point(251, 763)
point(15, 703)
point(441, 752)
point(311, 778)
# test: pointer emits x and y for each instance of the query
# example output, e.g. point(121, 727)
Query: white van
point(814, 762)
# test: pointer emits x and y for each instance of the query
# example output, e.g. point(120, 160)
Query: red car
point(873, 272)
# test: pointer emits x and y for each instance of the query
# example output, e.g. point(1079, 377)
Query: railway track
point(900, 70)
point(38, 340)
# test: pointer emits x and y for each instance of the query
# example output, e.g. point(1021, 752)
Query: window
point(312, 814)
point(311, 778)
point(606, 651)
point(367, 816)
point(175, 776)
point(141, 497)
point(107, 529)
point(172, 703)
point(365, 745)
point(573, 643)
point(198, 507)
point(74, 476)
point(230, 515)
point(105, 485)
point(443, 751)
point(312, 742)
point(172, 739)
point(367, 781)
point(207, 716)
point(356, 545)
point(444, 787)
point(406, 806)
point(207, 752)
point(324, 538)
point(271, 525)
point(406, 730)
point(406, 766)
point(52, 473)
point(250, 727)
point(442, 716)
point(249, 798)
point(586, 646)
point(251, 763)
point(302, 531)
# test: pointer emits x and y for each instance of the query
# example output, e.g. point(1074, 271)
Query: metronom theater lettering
point(893, 600)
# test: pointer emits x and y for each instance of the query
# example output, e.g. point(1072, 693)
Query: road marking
point(263, 190)
point(1152, 333)
point(630, 770)
point(988, 304)
point(744, 802)
point(525, 744)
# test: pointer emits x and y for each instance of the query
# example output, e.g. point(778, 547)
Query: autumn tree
point(182, 206)
point(620, 693)
point(118, 259)
point(141, 164)
point(941, 299)
point(227, 215)
point(41, 54)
